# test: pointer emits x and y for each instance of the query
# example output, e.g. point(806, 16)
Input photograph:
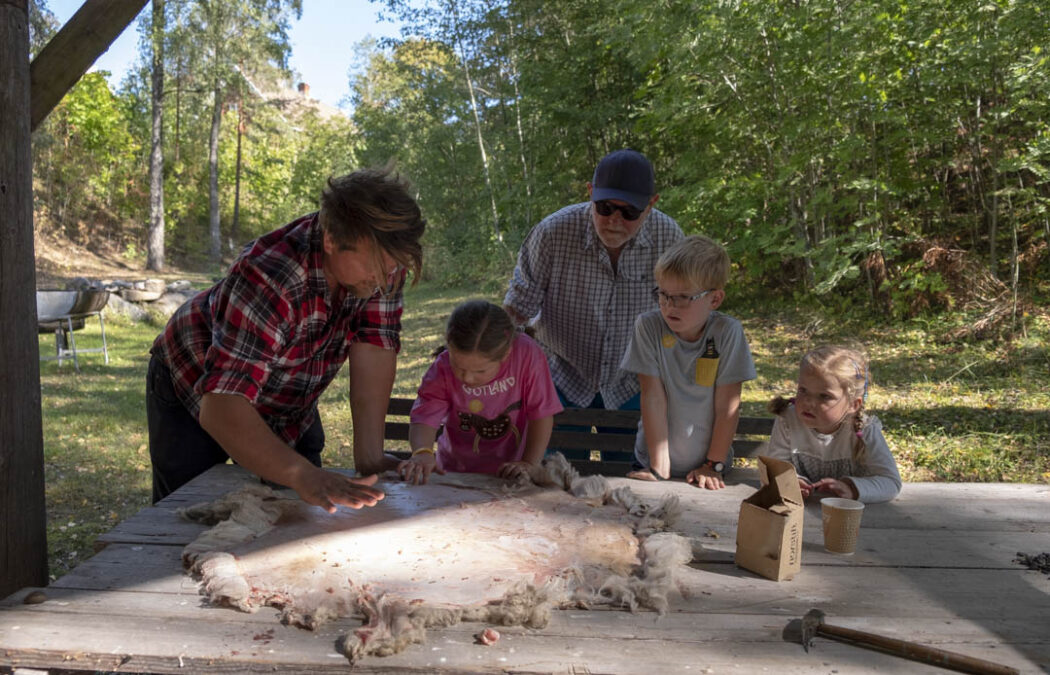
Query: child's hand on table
point(706, 477)
point(839, 488)
point(417, 468)
point(512, 470)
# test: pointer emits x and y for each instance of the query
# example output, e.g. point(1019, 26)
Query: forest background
point(878, 170)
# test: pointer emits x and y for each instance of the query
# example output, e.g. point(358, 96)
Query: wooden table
point(935, 566)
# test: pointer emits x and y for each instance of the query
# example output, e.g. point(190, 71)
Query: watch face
point(717, 466)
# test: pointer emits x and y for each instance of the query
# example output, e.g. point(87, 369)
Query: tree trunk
point(155, 240)
point(178, 112)
point(237, 175)
point(23, 531)
point(481, 141)
point(213, 173)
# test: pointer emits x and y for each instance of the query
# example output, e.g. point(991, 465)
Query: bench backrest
point(595, 440)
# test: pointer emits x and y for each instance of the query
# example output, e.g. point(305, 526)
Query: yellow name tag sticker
point(668, 341)
point(707, 365)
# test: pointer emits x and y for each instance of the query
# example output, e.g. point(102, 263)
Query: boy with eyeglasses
point(585, 273)
point(691, 361)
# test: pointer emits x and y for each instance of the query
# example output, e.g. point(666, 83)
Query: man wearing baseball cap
point(585, 273)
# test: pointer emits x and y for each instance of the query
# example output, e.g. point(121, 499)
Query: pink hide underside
point(458, 541)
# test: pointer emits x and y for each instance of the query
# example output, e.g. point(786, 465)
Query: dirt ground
point(59, 261)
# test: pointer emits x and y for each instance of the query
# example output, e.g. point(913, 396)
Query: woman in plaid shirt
point(239, 368)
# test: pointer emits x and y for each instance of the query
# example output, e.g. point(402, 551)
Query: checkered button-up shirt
point(273, 331)
point(584, 311)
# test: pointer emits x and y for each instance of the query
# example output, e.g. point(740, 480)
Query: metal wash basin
point(63, 312)
point(54, 305)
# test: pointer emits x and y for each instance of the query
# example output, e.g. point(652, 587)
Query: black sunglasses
point(605, 208)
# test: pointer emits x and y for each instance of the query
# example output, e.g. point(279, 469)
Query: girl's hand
point(805, 486)
point(512, 470)
point(642, 474)
point(836, 487)
point(706, 477)
point(416, 469)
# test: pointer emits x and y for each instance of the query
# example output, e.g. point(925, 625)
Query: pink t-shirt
point(485, 425)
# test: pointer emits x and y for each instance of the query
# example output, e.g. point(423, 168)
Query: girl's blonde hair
point(848, 367)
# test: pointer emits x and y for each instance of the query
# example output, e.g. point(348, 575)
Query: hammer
point(813, 625)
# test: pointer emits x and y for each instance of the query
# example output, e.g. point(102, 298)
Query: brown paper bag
point(769, 530)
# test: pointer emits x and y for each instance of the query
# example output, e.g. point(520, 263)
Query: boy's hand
point(512, 470)
point(706, 477)
point(836, 487)
point(805, 486)
point(416, 469)
point(642, 474)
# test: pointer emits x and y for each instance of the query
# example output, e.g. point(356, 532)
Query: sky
point(322, 43)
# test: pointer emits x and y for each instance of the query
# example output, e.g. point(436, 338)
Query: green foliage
point(829, 145)
point(85, 160)
point(809, 137)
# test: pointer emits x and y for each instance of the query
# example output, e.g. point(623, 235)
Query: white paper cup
point(841, 519)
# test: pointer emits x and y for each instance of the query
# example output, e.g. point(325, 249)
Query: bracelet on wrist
point(423, 451)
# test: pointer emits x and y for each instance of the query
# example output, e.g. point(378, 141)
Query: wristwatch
point(717, 467)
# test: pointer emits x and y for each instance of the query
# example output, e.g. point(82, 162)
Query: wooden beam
point(23, 532)
point(74, 49)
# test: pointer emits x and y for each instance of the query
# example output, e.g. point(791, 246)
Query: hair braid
point(860, 449)
point(778, 405)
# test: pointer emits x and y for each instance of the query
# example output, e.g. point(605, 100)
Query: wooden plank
point(574, 431)
point(934, 566)
point(585, 440)
point(400, 406)
point(69, 54)
point(941, 508)
point(675, 625)
point(136, 631)
point(23, 532)
point(876, 546)
point(598, 417)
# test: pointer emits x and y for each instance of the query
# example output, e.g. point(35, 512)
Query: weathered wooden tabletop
point(935, 566)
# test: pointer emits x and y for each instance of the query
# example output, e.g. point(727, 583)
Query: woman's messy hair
point(375, 205)
point(848, 367)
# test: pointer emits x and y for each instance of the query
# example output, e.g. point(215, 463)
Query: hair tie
point(856, 369)
point(860, 436)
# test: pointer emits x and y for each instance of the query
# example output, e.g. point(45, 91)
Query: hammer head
point(810, 623)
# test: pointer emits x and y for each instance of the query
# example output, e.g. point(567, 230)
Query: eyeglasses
point(677, 301)
point(604, 207)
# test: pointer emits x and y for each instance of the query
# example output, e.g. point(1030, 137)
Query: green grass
point(952, 411)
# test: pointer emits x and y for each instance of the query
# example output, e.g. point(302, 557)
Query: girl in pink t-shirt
point(492, 390)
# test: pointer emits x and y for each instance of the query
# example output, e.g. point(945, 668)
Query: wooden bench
point(594, 440)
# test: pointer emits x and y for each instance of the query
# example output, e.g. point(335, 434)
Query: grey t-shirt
point(690, 371)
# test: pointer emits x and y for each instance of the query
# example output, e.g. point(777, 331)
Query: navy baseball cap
point(625, 175)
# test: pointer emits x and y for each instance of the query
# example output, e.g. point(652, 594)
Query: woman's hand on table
point(330, 490)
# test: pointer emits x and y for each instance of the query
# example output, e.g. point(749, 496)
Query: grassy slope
point(952, 412)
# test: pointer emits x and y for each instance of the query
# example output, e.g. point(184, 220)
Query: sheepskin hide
point(461, 548)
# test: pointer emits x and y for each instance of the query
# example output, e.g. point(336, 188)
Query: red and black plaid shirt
point(269, 330)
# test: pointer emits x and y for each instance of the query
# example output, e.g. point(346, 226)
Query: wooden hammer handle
point(917, 652)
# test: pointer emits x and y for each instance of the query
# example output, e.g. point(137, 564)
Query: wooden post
point(27, 94)
point(71, 52)
point(23, 532)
